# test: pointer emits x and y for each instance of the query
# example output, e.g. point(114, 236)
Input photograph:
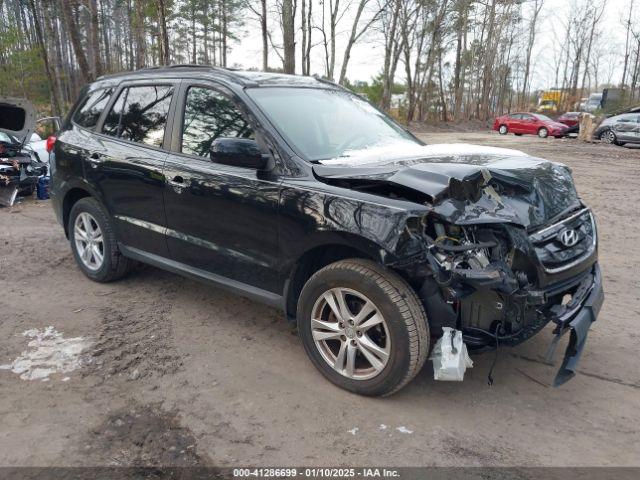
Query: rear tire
point(396, 323)
point(94, 244)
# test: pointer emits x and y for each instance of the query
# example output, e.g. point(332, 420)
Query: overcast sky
point(367, 57)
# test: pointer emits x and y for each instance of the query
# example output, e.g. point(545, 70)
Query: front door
point(529, 124)
point(626, 128)
point(127, 168)
point(221, 218)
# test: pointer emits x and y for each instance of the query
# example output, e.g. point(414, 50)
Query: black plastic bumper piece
point(579, 326)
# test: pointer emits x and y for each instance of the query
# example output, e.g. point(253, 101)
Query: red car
point(529, 123)
point(570, 119)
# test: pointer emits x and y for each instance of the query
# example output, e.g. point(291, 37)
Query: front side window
point(209, 115)
point(326, 123)
point(630, 118)
point(140, 114)
point(89, 112)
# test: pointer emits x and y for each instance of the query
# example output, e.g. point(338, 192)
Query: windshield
point(322, 124)
point(542, 117)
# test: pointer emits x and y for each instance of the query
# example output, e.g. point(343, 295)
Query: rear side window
point(89, 112)
point(140, 114)
point(209, 115)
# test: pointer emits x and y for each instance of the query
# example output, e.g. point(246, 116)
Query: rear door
point(626, 128)
point(514, 125)
point(221, 219)
point(126, 167)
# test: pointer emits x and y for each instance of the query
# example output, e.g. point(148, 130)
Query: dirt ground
point(178, 373)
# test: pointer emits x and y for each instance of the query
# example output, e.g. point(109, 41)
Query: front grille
point(556, 255)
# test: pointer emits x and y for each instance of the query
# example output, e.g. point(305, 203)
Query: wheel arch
point(318, 257)
point(70, 199)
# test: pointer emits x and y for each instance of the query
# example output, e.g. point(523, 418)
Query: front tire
point(543, 133)
point(363, 327)
point(503, 130)
point(93, 243)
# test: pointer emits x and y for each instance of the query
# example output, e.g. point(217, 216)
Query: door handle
point(95, 159)
point(177, 182)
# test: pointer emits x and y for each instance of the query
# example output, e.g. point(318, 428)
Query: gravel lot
point(177, 373)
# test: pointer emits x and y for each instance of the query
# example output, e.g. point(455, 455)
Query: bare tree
point(357, 32)
point(537, 7)
point(74, 36)
point(627, 44)
point(288, 36)
point(393, 39)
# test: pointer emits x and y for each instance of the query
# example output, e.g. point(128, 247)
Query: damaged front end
point(490, 283)
point(506, 248)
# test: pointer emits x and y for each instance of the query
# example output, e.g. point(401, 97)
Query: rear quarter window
point(140, 114)
point(91, 108)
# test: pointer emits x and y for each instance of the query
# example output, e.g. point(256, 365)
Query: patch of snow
point(401, 151)
point(353, 431)
point(403, 429)
point(382, 427)
point(49, 353)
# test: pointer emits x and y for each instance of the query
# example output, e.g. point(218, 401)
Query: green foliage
point(21, 70)
point(373, 91)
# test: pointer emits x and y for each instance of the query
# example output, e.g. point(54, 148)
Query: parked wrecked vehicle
point(530, 124)
point(19, 167)
point(295, 192)
point(619, 129)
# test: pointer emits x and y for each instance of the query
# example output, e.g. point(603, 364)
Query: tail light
point(51, 141)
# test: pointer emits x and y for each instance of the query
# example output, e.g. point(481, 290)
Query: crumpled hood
point(17, 117)
point(465, 184)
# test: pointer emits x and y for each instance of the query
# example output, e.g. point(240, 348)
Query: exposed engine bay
point(490, 285)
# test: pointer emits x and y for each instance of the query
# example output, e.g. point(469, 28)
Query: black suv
point(295, 192)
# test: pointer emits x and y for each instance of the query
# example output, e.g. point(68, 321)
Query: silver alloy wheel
point(608, 137)
point(543, 133)
point(89, 241)
point(350, 333)
point(502, 130)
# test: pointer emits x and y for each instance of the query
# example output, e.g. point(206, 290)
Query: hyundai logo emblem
point(569, 237)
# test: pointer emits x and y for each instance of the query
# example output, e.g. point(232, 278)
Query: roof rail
point(329, 82)
point(229, 73)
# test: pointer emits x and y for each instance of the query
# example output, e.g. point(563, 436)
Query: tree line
point(451, 59)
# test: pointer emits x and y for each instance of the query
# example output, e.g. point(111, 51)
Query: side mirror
point(238, 152)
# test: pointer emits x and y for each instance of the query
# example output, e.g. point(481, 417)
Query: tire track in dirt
point(142, 435)
point(135, 341)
